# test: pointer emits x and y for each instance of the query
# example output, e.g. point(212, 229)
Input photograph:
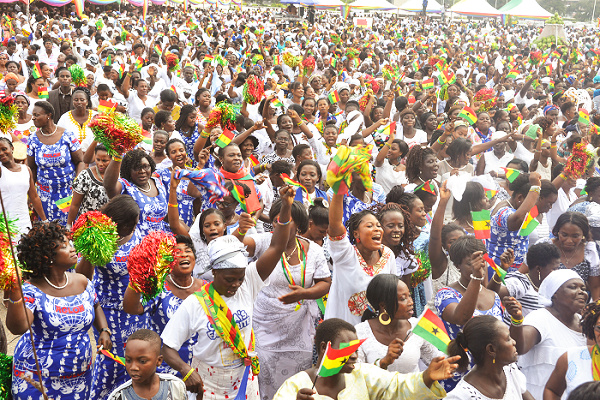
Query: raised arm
point(438, 259)
point(515, 220)
point(381, 156)
point(281, 232)
point(336, 212)
point(111, 178)
point(459, 313)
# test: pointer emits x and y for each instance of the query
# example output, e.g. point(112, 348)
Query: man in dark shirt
point(61, 98)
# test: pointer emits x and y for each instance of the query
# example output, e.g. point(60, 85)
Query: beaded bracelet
point(440, 142)
point(283, 224)
point(388, 145)
point(188, 374)
point(173, 205)
point(204, 134)
point(516, 322)
point(117, 158)
point(240, 232)
point(480, 279)
point(14, 302)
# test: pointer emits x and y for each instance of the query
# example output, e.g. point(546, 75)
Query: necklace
point(510, 204)
point(464, 287)
point(48, 134)
point(99, 176)
point(58, 287)
point(568, 259)
point(537, 289)
point(145, 190)
point(288, 273)
point(292, 253)
point(181, 287)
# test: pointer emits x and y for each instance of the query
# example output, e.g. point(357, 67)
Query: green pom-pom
point(78, 75)
point(5, 376)
point(95, 237)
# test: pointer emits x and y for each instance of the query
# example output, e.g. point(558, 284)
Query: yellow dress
point(368, 382)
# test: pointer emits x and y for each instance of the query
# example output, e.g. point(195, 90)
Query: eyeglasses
point(143, 167)
point(224, 204)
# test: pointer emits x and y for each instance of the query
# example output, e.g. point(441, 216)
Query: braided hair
point(405, 247)
point(415, 159)
point(354, 221)
point(36, 250)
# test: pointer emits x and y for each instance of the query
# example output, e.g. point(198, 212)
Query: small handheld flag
point(428, 187)
point(225, 138)
point(387, 130)
point(36, 71)
point(115, 358)
point(106, 106)
point(276, 103)
point(584, 116)
point(335, 359)
point(139, 63)
point(427, 84)
point(431, 328)
point(511, 174)
point(334, 97)
point(43, 92)
point(289, 181)
point(501, 273)
point(481, 224)
point(530, 222)
point(468, 114)
point(64, 204)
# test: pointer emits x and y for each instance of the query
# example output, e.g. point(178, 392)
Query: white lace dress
point(415, 349)
point(285, 336)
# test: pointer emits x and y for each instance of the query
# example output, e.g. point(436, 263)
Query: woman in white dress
point(576, 366)
point(78, 119)
point(358, 255)
point(547, 333)
point(495, 374)
point(25, 125)
point(220, 365)
point(388, 164)
point(139, 99)
point(387, 323)
point(16, 183)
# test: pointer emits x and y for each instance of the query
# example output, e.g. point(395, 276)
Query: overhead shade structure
point(475, 8)
point(301, 2)
point(417, 6)
point(525, 9)
point(373, 5)
point(324, 4)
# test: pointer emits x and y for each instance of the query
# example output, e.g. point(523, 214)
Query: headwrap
point(11, 75)
point(553, 282)
point(22, 94)
point(549, 108)
point(227, 252)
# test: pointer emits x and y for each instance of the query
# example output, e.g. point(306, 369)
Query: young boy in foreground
point(142, 356)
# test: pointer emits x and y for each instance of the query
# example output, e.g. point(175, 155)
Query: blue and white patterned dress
point(352, 205)
point(184, 200)
point(60, 333)
point(55, 171)
point(501, 238)
point(446, 296)
point(110, 282)
point(189, 142)
point(153, 210)
point(161, 310)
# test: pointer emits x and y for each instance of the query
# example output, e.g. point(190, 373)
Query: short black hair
point(124, 211)
point(541, 254)
point(464, 247)
point(473, 193)
point(329, 329)
point(168, 95)
point(161, 117)
point(318, 213)
point(46, 106)
point(146, 335)
point(586, 391)
point(299, 149)
point(306, 163)
point(182, 239)
point(132, 160)
point(171, 142)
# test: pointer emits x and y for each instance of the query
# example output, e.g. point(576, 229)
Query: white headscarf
point(227, 252)
point(553, 282)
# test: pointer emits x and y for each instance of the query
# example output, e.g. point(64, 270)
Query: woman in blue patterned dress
point(186, 193)
point(54, 156)
point(136, 169)
point(179, 285)
point(508, 216)
point(61, 307)
point(187, 126)
point(110, 282)
point(468, 297)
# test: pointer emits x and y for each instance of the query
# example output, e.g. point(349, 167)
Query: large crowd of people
point(482, 205)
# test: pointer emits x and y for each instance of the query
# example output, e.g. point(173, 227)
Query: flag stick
point(318, 369)
point(12, 250)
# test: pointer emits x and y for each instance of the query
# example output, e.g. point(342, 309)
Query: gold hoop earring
point(386, 322)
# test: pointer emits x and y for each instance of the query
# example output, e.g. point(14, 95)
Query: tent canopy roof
point(417, 6)
point(526, 9)
point(373, 4)
point(475, 8)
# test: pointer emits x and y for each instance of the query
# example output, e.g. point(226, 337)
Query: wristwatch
point(105, 330)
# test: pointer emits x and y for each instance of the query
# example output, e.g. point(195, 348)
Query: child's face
point(141, 360)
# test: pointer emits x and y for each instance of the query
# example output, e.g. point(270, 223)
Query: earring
point(357, 240)
point(539, 275)
point(494, 360)
point(386, 322)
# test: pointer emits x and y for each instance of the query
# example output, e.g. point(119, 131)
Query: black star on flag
point(435, 331)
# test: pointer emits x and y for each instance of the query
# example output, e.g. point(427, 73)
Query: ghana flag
point(106, 106)
point(431, 328)
point(297, 185)
point(43, 92)
point(64, 204)
point(513, 73)
point(530, 222)
point(335, 359)
point(481, 223)
point(239, 196)
point(511, 174)
point(115, 358)
point(584, 116)
point(36, 71)
point(428, 187)
point(225, 138)
point(334, 97)
point(501, 273)
point(387, 130)
point(427, 84)
point(468, 114)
